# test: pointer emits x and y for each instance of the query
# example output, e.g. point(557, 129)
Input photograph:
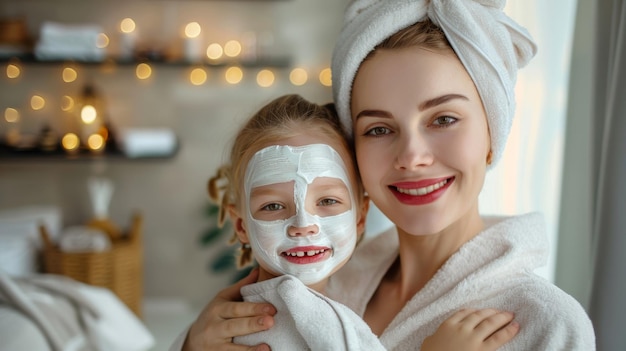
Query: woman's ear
point(239, 224)
point(362, 216)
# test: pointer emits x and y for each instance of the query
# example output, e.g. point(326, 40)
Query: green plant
point(224, 262)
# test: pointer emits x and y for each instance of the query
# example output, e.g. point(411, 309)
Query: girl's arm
point(225, 317)
point(473, 330)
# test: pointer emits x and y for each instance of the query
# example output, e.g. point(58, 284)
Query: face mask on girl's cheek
point(270, 239)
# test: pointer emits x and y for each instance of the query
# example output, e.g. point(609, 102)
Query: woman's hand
point(227, 316)
point(473, 330)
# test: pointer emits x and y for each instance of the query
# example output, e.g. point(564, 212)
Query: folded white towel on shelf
point(65, 41)
point(146, 142)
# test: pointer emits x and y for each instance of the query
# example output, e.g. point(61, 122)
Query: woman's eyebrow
point(440, 100)
point(423, 106)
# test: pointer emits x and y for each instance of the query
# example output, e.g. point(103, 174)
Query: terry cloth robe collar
point(495, 269)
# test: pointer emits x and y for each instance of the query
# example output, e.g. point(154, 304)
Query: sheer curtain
point(529, 175)
point(608, 296)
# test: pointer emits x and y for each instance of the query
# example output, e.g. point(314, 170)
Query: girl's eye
point(328, 202)
point(378, 131)
point(272, 207)
point(444, 121)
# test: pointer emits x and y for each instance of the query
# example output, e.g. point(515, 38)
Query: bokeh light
point(298, 76)
point(234, 75)
point(265, 78)
point(198, 76)
point(325, 77)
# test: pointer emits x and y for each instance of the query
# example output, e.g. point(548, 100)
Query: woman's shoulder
point(539, 305)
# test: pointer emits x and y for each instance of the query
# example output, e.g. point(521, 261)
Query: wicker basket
point(119, 269)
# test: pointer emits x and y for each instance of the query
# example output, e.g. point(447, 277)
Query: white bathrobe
point(494, 269)
point(307, 320)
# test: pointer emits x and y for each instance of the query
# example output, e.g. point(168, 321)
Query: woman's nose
point(303, 231)
point(413, 151)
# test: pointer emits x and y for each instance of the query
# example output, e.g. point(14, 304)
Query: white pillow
point(19, 236)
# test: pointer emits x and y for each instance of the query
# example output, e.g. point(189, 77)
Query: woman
point(427, 88)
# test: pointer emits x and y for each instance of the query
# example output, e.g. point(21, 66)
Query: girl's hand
point(473, 330)
point(227, 316)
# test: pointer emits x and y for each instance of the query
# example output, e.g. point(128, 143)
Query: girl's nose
point(412, 152)
point(303, 231)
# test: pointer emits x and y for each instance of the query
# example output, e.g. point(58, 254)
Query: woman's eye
point(272, 207)
point(328, 202)
point(444, 121)
point(378, 131)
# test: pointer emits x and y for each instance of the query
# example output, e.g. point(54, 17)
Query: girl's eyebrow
point(423, 106)
point(373, 113)
point(440, 100)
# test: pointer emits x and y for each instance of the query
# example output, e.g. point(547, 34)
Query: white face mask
point(314, 256)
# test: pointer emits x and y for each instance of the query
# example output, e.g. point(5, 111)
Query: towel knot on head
point(491, 46)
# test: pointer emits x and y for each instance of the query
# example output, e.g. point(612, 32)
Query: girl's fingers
point(244, 326)
point(494, 322)
point(460, 315)
point(503, 335)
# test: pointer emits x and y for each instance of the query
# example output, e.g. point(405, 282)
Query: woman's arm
point(473, 330)
point(227, 316)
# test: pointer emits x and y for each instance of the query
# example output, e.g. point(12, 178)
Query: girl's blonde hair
point(282, 118)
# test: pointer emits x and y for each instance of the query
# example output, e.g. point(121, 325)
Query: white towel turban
point(490, 45)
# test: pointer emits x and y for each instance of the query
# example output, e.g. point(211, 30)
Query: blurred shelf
point(111, 153)
point(276, 62)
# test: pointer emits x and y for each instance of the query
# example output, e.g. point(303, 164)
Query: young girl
point(298, 208)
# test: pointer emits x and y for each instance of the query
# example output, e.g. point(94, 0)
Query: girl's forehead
point(281, 163)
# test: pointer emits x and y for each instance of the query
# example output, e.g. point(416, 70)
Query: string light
point(143, 71)
point(192, 30)
point(265, 78)
point(88, 114)
point(232, 48)
point(13, 71)
point(198, 76)
point(11, 115)
point(214, 51)
point(127, 25)
point(37, 102)
point(70, 142)
point(325, 77)
point(69, 74)
point(234, 75)
point(298, 76)
point(102, 41)
point(95, 142)
point(67, 103)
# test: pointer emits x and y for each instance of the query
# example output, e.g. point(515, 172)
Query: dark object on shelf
point(112, 152)
point(277, 62)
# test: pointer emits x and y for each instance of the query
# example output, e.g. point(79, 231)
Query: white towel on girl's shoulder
point(494, 269)
point(307, 320)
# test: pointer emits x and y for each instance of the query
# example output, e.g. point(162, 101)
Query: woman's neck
point(421, 256)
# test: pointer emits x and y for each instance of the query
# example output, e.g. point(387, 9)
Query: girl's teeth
point(307, 253)
point(423, 191)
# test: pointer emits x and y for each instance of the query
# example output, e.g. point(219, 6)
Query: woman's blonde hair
point(424, 34)
point(282, 118)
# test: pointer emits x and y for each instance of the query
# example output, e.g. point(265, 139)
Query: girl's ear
point(362, 216)
point(239, 224)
